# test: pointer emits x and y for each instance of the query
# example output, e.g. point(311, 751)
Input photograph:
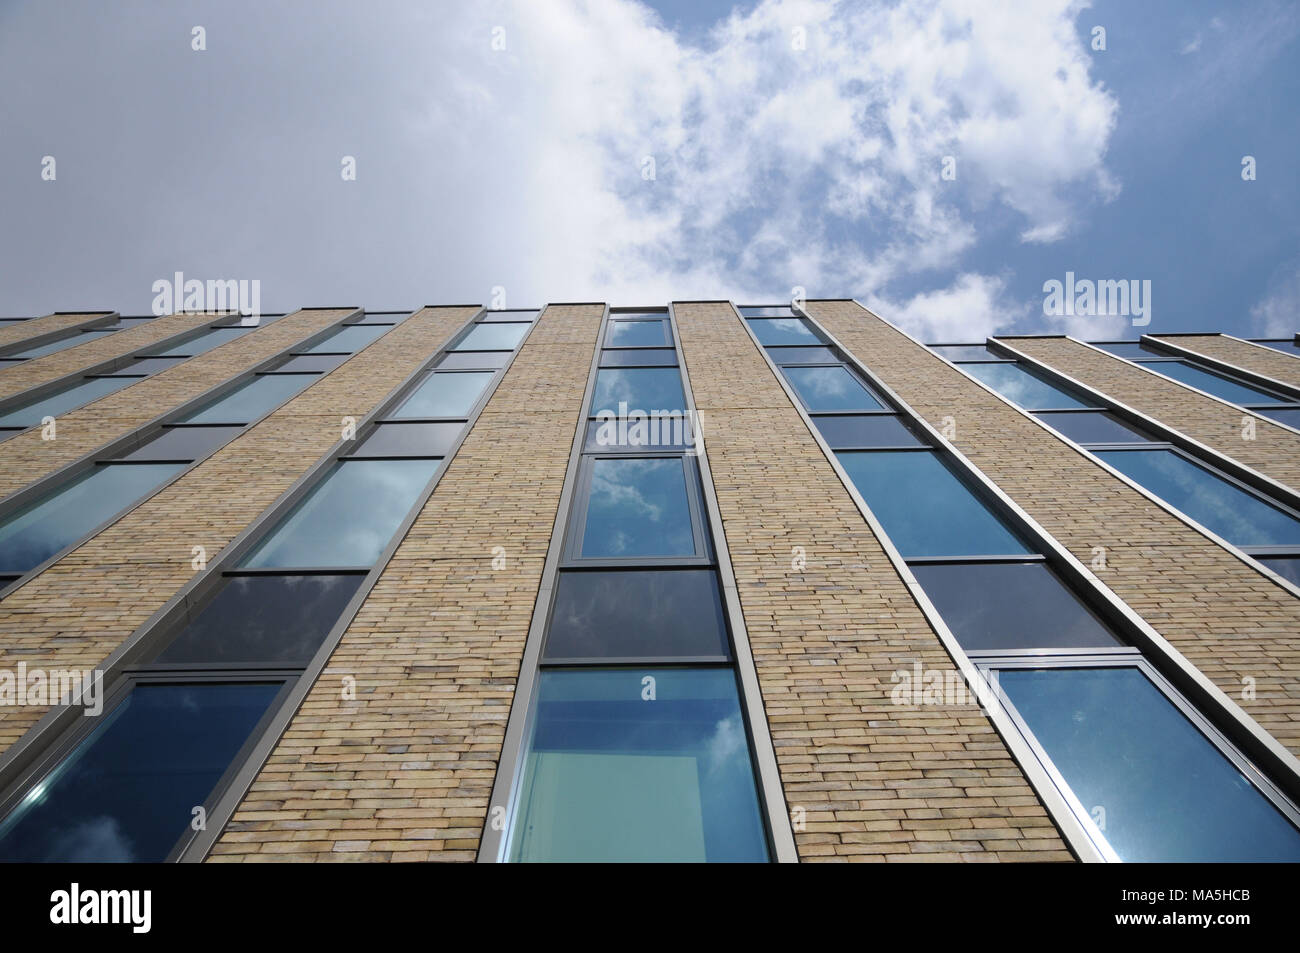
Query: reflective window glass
point(55, 346)
point(638, 507)
point(1211, 383)
point(966, 352)
point(770, 331)
point(1288, 567)
point(250, 401)
point(1094, 426)
point(147, 365)
point(1286, 347)
point(610, 776)
point(128, 791)
point(637, 334)
point(1224, 508)
point(641, 432)
point(203, 343)
point(1131, 350)
point(1283, 415)
point(830, 388)
point(642, 388)
point(348, 518)
point(184, 443)
point(317, 363)
point(637, 614)
point(445, 395)
point(349, 339)
point(416, 440)
point(924, 507)
point(510, 316)
point(1021, 387)
point(1168, 792)
point(802, 355)
point(851, 431)
point(80, 392)
point(455, 360)
point(49, 525)
point(493, 337)
point(665, 357)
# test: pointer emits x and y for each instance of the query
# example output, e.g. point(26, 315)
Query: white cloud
point(1277, 315)
point(971, 309)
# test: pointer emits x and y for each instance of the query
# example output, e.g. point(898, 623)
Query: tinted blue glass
point(55, 346)
point(38, 531)
point(610, 776)
point(1130, 350)
point(1288, 567)
point(1016, 384)
point(127, 792)
point(771, 311)
point(204, 342)
point(445, 395)
point(662, 356)
point(250, 401)
point(1212, 383)
point(966, 352)
point(830, 388)
point(493, 337)
point(510, 316)
point(1094, 426)
point(638, 508)
point(637, 334)
point(802, 355)
point(349, 339)
point(771, 331)
point(349, 517)
point(1286, 347)
point(1283, 415)
point(74, 395)
point(1221, 507)
point(1169, 794)
point(642, 388)
point(924, 507)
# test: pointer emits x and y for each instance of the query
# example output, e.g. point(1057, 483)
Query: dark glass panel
point(184, 443)
point(865, 430)
point(410, 440)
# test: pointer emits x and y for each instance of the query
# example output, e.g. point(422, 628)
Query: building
point(694, 582)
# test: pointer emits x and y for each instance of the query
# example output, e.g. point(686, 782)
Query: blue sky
point(792, 143)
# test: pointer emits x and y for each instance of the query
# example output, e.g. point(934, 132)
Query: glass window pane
point(317, 363)
point(1241, 518)
point(1021, 387)
point(637, 614)
point(830, 388)
point(350, 339)
point(250, 401)
point(1212, 383)
point(1169, 794)
point(638, 508)
point(637, 334)
point(493, 337)
point(455, 360)
point(865, 430)
point(184, 443)
point(268, 619)
point(612, 777)
point(128, 791)
point(966, 352)
point(1094, 426)
point(641, 432)
point(123, 323)
point(771, 331)
point(924, 507)
point(348, 518)
point(445, 395)
point(203, 342)
point(1010, 606)
point(664, 357)
point(642, 388)
point(1286, 347)
point(36, 532)
point(802, 355)
point(510, 316)
point(148, 365)
point(72, 396)
point(419, 440)
point(1131, 350)
point(767, 311)
point(384, 317)
point(1288, 567)
point(1283, 415)
point(55, 346)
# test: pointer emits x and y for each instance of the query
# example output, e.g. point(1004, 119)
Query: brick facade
point(26, 330)
point(1250, 357)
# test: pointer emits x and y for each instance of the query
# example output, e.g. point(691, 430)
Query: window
point(69, 397)
point(493, 337)
point(1094, 426)
point(1012, 605)
point(410, 440)
point(830, 388)
point(265, 619)
point(1221, 387)
point(31, 535)
point(967, 352)
point(924, 507)
point(348, 518)
point(674, 613)
point(129, 789)
point(863, 431)
point(1169, 793)
point(612, 776)
point(141, 366)
point(1224, 508)
point(349, 339)
point(456, 360)
point(783, 331)
point(61, 345)
point(445, 395)
point(637, 507)
point(641, 432)
point(510, 316)
point(639, 333)
point(1021, 387)
point(205, 342)
point(1131, 350)
point(1288, 346)
point(802, 355)
point(313, 363)
point(1288, 567)
point(1283, 415)
point(642, 388)
point(252, 400)
point(768, 311)
point(665, 357)
point(184, 443)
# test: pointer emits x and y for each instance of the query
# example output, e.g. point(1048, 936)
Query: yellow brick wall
point(1243, 354)
point(1275, 451)
point(1228, 619)
point(85, 605)
point(26, 330)
point(27, 456)
point(877, 781)
point(405, 771)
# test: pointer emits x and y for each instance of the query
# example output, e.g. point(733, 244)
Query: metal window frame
point(641, 318)
point(191, 597)
point(99, 321)
point(855, 377)
point(1289, 393)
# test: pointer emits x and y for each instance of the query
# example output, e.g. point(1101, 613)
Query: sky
point(939, 161)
